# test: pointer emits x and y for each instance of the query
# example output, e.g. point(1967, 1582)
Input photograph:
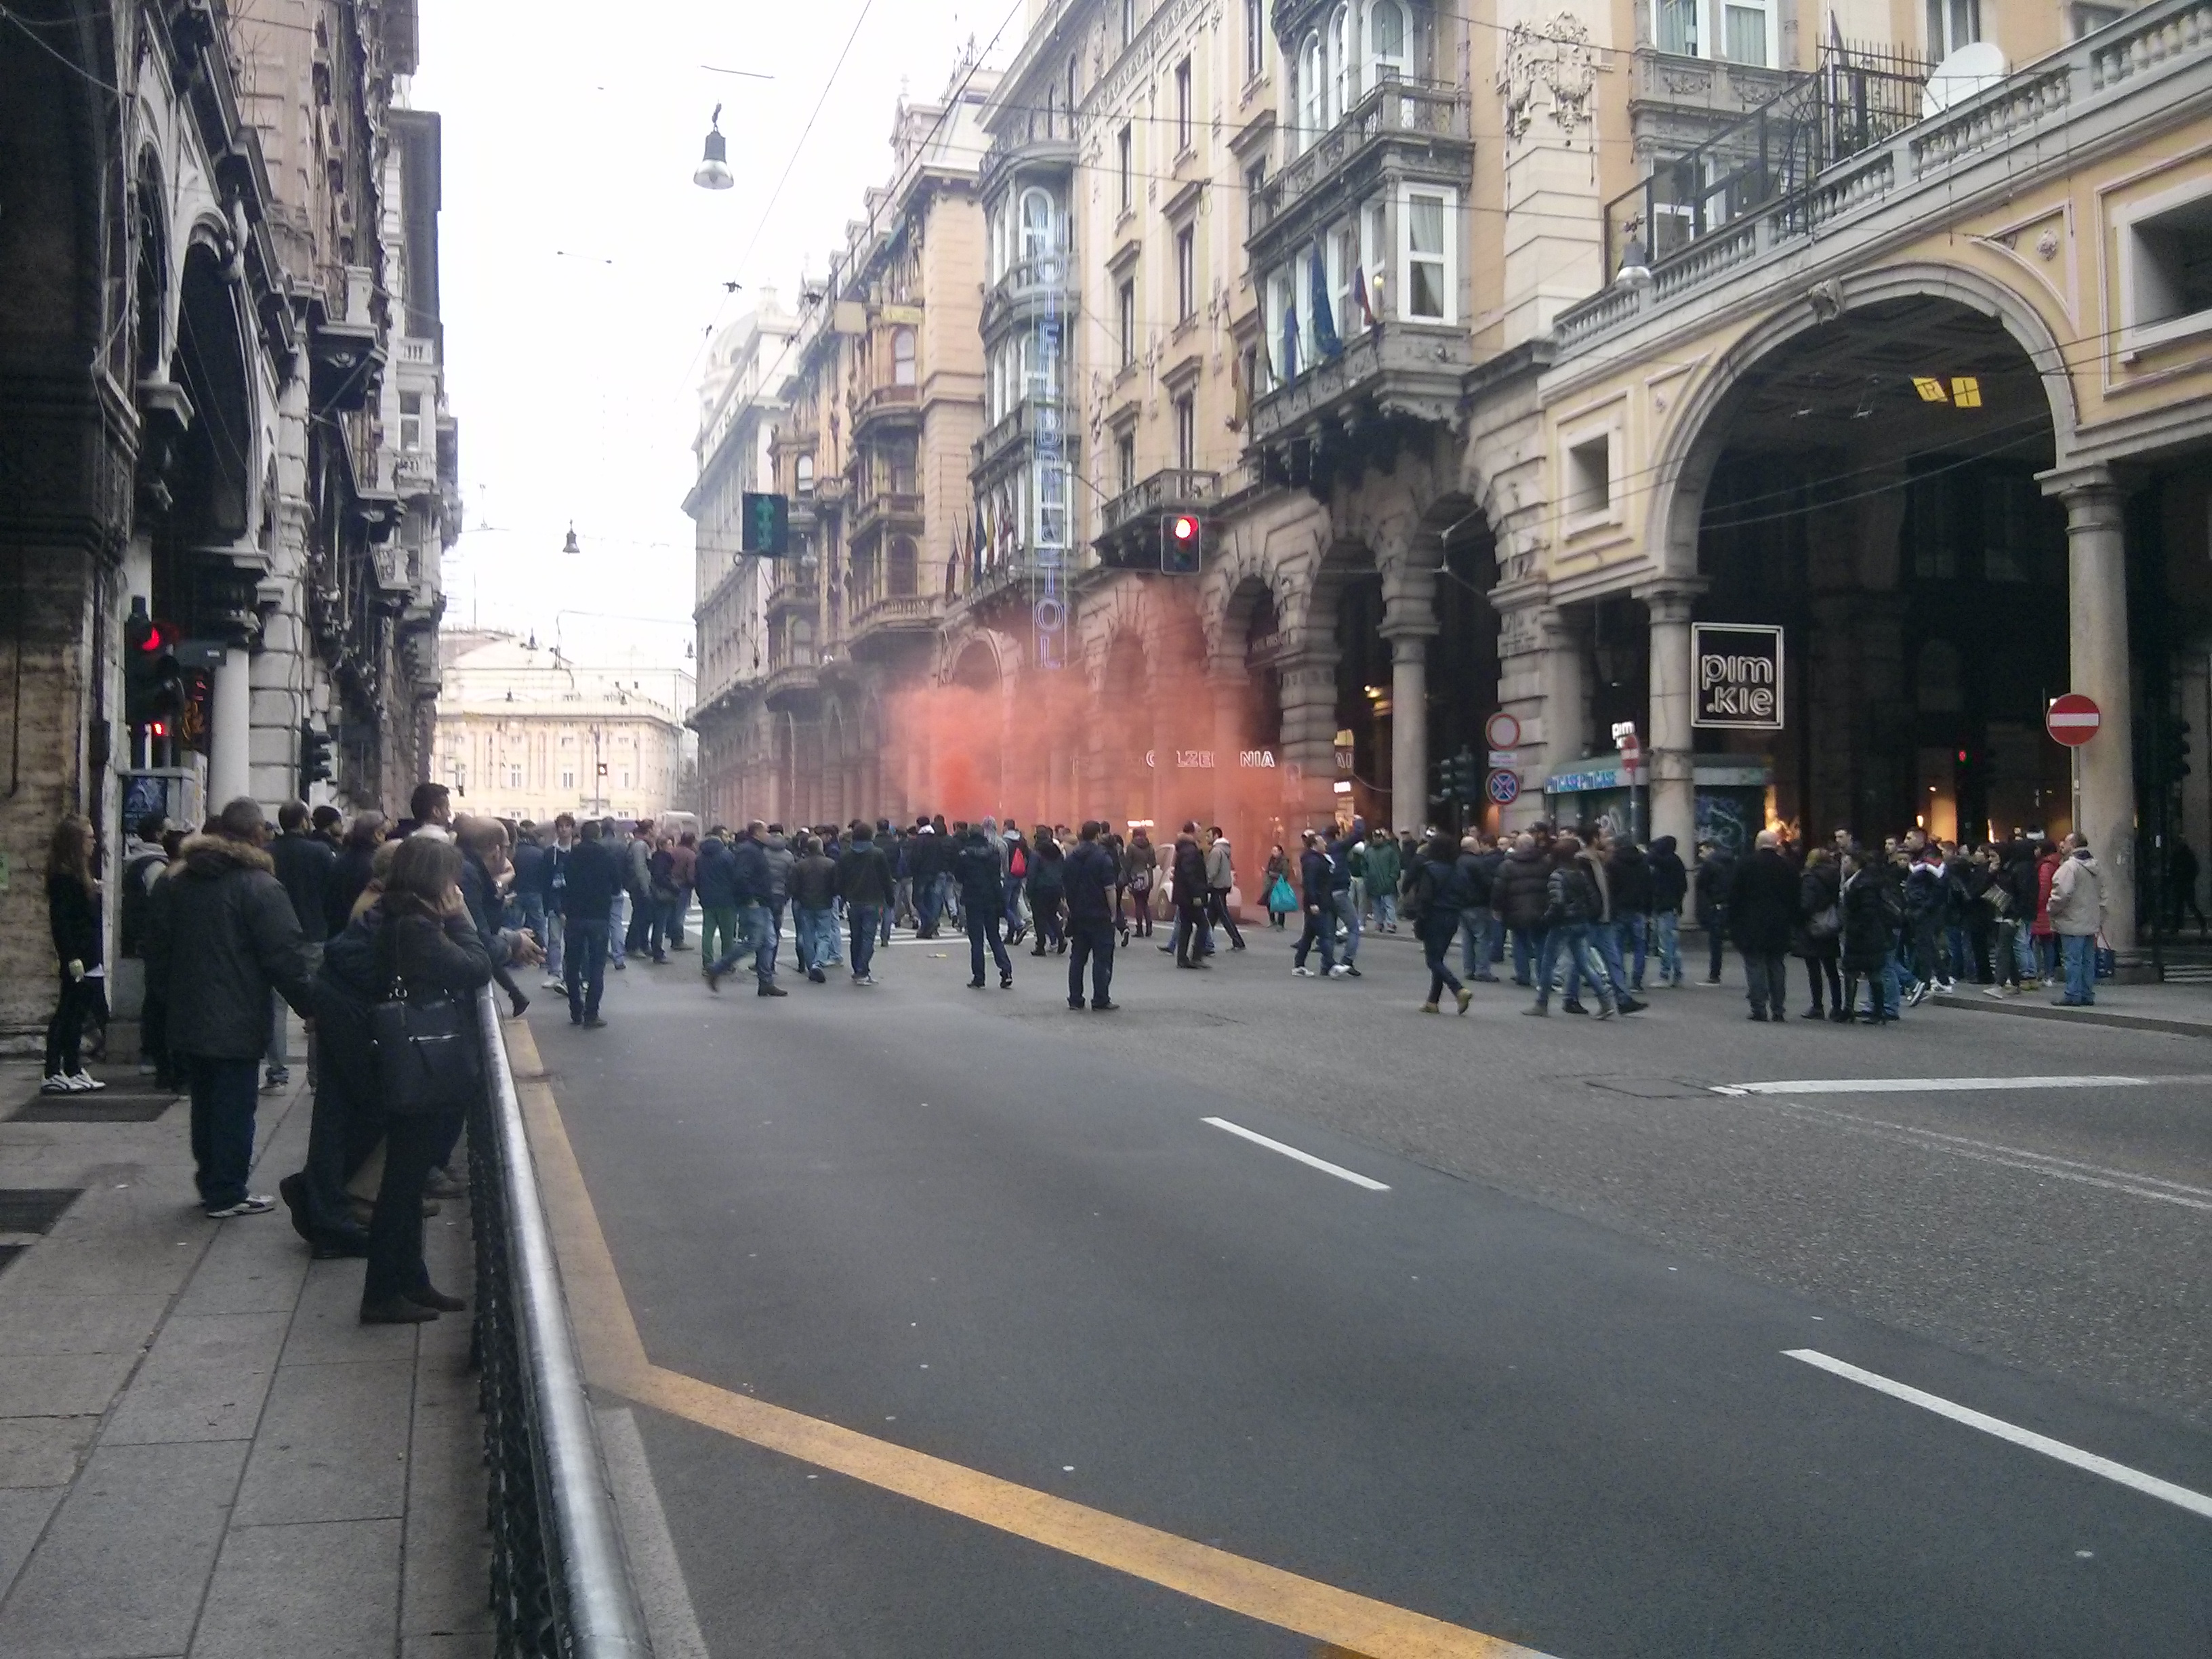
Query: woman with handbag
point(1820, 938)
point(416, 961)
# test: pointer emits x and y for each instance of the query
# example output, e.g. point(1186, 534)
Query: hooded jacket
point(221, 934)
point(975, 867)
point(1517, 896)
point(864, 874)
point(715, 876)
point(1629, 872)
point(1220, 872)
point(1670, 880)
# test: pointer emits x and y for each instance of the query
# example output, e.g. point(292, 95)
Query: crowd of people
point(327, 918)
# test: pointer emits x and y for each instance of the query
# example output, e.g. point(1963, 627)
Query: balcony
point(881, 621)
point(1010, 440)
point(1387, 374)
point(1851, 168)
point(1028, 140)
point(791, 684)
point(415, 473)
point(1007, 582)
point(886, 509)
point(890, 401)
point(1676, 102)
point(1030, 289)
point(793, 589)
point(1129, 527)
point(1399, 128)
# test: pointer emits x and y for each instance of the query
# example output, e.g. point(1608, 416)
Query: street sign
point(1509, 758)
point(1505, 787)
point(1502, 731)
point(2073, 720)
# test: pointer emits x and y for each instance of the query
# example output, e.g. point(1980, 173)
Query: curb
point(2077, 1016)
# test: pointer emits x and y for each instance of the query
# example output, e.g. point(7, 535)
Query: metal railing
point(1395, 106)
point(1173, 487)
point(559, 1588)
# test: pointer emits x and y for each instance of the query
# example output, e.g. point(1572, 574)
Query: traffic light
point(314, 758)
point(765, 526)
point(2173, 751)
point(1459, 778)
point(1183, 543)
point(152, 683)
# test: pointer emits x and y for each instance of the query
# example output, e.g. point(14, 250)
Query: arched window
point(1312, 85)
point(1386, 37)
point(902, 372)
point(1343, 63)
point(802, 472)
point(902, 572)
point(1039, 235)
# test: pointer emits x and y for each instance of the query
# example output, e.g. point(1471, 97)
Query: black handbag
point(429, 1057)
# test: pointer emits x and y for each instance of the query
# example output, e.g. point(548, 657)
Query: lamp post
point(713, 169)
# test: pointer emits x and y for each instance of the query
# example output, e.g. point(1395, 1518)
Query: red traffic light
point(1183, 527)
point(158, 728)
point(152, 641)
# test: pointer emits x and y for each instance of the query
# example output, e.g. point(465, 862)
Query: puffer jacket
point(1517, 894)
point(221, 934)
point(1570, 895)
point(777, 851)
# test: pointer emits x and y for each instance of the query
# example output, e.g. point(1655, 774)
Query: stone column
point(1565, 675)
point(1409, 623)
point(1224, 680)
point(230, 736)
point(1309, 728)
point(1668, 746)
point(2097, 617)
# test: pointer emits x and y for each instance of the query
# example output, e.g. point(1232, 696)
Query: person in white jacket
point(2077, 916)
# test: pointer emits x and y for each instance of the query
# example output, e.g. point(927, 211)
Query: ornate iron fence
point(559, 1588)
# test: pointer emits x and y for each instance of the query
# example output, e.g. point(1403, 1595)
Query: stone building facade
point(1504, 352)
point(222, 410)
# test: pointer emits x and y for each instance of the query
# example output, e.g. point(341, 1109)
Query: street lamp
point(1635, 272)
point(572, 546)
point(713, 172)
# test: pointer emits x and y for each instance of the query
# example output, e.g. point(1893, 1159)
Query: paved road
point(1540, 1387)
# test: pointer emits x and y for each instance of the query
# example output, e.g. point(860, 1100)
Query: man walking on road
point(1188, 867)
point(814, 909)
point(750, 877)
point(1341, 896)
point(1220, 877)
point(1320, 907)
point(864, 882)
point(1762, 908)
point(595, 876)
point(221, 936)
point(976, 869)
point(1089, 877)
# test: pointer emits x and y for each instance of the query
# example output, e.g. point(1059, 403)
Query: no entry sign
point(2073, 720)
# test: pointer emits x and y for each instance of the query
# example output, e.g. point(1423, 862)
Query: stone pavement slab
point(202, 1452)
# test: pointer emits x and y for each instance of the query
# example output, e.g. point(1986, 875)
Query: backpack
point(1017, 862)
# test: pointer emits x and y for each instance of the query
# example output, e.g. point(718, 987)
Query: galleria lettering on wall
point(1739, 676)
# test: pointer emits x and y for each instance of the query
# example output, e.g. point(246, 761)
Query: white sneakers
point(77, 1084)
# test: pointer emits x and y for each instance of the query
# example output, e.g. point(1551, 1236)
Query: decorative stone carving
point(1826, 299)
point(1548, 73)
point(2047, 245)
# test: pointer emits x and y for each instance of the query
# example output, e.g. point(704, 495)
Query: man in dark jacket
point(1088, 879)
point(753, 880)
point(1628, 872)
point(1190, 868)
point(1315, 875)
point(1670, 886)
point(303, 860)
point(814, 909)
point(927, 862)
point(221, 935)
point(1715, 875)
point(1479, 934)
point(595, 875)
point(975, 872)
point(715, 879)
point(864, 882)
point(1339, 877)
point(1762, 907)
point(1519, 899)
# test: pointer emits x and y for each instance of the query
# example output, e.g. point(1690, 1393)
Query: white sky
point(581, 266)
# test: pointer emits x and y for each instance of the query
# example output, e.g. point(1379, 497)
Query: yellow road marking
point(615, 1358)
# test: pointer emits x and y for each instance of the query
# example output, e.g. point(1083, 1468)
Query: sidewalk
point(202, 1452)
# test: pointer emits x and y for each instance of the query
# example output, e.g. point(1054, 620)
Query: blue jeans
point(1321, 929)
point(983, 927)
point(587, 966)
point(1629, 942)
point(1528, 944)
point(1605, 944)
point(863, 918)
point(1667, 946)
point(1476, 929)
point(555, 943)
point(2079, 950)
point(1386, 909)
point(617, 928)
point(224, 1095)
point(1348, 909)
point(531, 907)
point(929, 900)
point(756, 938)
point(817, 932)
point(1573, 938)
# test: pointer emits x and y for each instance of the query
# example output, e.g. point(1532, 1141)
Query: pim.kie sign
point(1737, 667)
